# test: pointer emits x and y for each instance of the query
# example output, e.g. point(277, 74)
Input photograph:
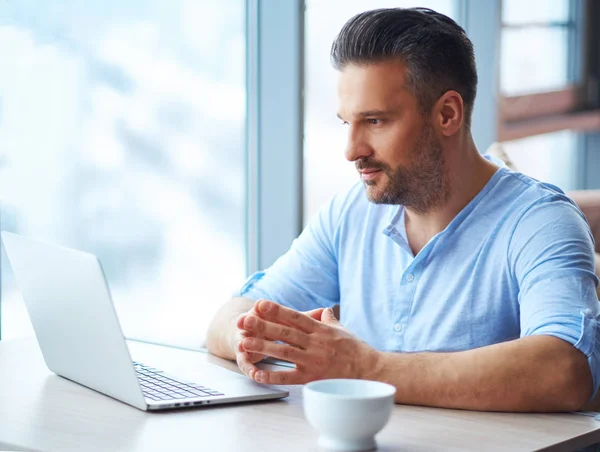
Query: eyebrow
point(368, 113)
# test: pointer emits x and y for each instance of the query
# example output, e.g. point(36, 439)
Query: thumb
point(328, 317)
point(315, 313)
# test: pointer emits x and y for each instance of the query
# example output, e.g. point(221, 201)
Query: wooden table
point(40, 411)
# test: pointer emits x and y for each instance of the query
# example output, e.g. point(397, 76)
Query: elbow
point(578, 386)
point(577, 398)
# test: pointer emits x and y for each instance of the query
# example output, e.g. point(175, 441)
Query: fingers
point(243, 333)
point(276, 332)
point(251, 356)
point(245, 360)
point(245, 364)
point(315, 313)
point(271, 311)
point(281, 351)
point(240, 321)
point(286, 377)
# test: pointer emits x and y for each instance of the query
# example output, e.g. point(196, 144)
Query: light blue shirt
point(516, 261)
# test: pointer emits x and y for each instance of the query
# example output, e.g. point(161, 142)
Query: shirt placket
point(405, 294)
point(404, 304)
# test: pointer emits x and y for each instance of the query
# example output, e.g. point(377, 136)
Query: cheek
point(394, 146)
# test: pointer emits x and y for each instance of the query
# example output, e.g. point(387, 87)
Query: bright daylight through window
point(123, 134)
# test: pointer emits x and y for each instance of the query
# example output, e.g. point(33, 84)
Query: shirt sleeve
point(306, 277)
point(553, 264)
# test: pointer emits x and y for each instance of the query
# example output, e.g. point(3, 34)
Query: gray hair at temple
point(436, 51)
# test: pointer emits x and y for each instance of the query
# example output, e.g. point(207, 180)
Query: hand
point(246, 359)
point(319, 349)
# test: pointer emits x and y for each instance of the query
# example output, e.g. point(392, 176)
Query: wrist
point(370, 367)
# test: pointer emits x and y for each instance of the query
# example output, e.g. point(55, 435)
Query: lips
point(369, 173)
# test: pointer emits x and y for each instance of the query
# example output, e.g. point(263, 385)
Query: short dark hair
point(436, 51)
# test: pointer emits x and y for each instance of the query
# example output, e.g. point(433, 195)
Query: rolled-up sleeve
point(306, 277)
point(553, 264)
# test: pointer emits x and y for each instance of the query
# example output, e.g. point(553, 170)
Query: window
point(544, 100)
point(543, 84)
point(123, 131)
point(325, 169)
point(550, 158)
point(531, 31)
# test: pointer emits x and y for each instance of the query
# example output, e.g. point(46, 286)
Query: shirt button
point(397, 327)
point(410, 277)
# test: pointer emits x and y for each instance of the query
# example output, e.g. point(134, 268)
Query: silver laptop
point(71, 310)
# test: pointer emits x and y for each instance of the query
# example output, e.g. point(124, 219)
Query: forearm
point(222, 330)
point(537, 373)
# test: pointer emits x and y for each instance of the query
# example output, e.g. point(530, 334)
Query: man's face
point(392, 143)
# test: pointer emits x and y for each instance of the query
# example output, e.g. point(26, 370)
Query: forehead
point(376, 86)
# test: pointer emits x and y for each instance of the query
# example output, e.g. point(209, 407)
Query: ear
point(449, 113)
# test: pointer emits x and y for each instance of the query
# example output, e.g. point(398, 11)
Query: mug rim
point(387, 389)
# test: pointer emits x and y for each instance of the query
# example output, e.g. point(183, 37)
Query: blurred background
point(187, 142)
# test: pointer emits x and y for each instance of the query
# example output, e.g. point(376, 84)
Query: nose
point(357, 147)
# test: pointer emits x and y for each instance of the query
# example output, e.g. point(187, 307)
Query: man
point(463, 284)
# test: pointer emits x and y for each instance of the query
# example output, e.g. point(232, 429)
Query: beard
point(421, 186)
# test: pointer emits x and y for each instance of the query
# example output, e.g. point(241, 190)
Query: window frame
point(275, 68)
point(480, 20)
point(570, 108)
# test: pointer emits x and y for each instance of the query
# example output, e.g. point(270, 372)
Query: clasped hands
point(314, 341)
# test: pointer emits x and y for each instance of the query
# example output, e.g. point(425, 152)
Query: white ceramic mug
point(348, 413)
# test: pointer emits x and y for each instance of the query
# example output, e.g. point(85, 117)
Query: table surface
point(40, 411)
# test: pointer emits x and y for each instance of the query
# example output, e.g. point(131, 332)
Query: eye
point(375, 121)
point(344, 123)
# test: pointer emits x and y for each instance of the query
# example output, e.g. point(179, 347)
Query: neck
point(468, 172)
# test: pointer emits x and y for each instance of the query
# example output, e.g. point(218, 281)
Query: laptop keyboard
point(156, 385)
